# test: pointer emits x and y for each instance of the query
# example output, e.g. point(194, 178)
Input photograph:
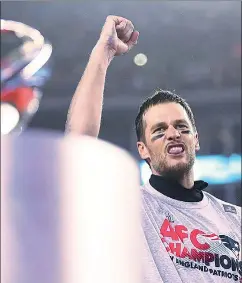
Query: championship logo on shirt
point(217, 254)
point(231, 244)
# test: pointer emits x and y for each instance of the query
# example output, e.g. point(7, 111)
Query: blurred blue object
point(214, 169)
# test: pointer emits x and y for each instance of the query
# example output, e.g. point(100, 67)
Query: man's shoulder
point(149, 194)
point(223, 205)
point(144, 190)
point(148, 191)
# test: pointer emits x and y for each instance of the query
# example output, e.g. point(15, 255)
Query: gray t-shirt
point(190, 241)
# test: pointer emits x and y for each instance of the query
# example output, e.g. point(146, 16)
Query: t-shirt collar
point(175, 190)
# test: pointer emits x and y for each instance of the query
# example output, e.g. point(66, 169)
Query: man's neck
point(171, 188)
point(187, 180)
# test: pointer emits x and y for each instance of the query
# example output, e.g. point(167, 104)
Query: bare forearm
point(84, 116)
point(117, 37)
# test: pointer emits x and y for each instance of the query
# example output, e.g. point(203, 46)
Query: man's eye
point(182, 126)
point(159, 132)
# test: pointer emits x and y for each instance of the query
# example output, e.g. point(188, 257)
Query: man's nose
point(172, 133)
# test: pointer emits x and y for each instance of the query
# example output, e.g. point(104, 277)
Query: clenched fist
point(118, 35)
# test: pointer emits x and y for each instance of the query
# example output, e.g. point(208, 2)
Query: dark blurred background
point(191, 47)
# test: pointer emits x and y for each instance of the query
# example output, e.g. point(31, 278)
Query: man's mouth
point(176, 149)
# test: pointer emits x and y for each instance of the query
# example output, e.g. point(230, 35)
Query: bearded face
point(170, 140)
point(175, 161)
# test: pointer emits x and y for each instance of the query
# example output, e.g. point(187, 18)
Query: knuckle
point(130, 24)
point(109, 17)
point(131, 27)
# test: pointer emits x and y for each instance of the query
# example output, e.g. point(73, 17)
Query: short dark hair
point(160, 96)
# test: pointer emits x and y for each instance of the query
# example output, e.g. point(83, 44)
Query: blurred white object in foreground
point(72, 211)
point(9, 118)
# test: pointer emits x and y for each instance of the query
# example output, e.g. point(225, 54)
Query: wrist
point(102, 53)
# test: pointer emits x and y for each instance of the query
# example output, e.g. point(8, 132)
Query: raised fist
point(118, 35)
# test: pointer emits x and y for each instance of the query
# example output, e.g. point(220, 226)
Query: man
point(189, 235)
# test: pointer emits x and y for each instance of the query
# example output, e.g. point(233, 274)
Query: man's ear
point(197, 145)
point(143, 151)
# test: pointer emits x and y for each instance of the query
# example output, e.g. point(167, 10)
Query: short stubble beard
point(177, 171)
